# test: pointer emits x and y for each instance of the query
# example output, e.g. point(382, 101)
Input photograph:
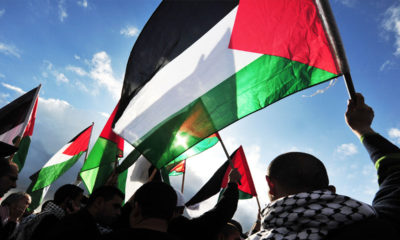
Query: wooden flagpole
point(336, 44)
point(183, 177)
point(232, 166)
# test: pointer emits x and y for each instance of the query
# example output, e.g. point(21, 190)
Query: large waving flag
point(220, 180)
point(17, 120)
point(199, 66)
point(102, 158)
point(63, 160)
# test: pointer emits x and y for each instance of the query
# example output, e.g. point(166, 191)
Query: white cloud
point(347, 149)
point(83, 3)
point(13, 88)
point(77, 70)
point(60, 77)
point(391, 24)
point(102, 73)
point(77, 57)
point(62, 11)
point(106, 115)
point(129, 31)
point(387, 65)
point(9, 50)
point(348, 3)
point(81, 86)
point(394, 133)
point(2, 11)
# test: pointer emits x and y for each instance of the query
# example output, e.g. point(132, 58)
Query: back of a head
point(105, 192)
point(298, 172)
point(156, 200)
point(67, 191)
point(14, 197)
point(5, 166)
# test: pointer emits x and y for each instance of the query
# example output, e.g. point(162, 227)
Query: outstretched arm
point(385, 156)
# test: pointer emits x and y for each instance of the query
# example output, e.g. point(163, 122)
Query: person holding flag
point(304, 205)
point(208, 225)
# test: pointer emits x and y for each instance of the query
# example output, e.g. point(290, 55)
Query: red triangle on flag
point(240, 163)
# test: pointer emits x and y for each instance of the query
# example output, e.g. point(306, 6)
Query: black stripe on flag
point(15, 112)
point(173, 27)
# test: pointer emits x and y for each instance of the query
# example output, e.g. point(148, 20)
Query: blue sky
point(78, 50)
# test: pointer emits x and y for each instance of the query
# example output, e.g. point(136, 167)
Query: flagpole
point(336, 44)
point(226, 152)
point(153, 174)
point(78, 178)
point(183, 177)
point(259, 206)
point(227, 155)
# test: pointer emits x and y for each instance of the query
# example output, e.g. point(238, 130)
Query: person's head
point(104, 204)
point(153, 200)
point(17, 202)
point(8, 175)
point(68, 197)
point(296, 172)
point(231, 231)
point(180, 204)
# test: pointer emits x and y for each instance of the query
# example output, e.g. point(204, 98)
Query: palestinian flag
point(20, 156)
point(38, 195)
point(220, 180)
point(199, 66)
point(17, 120)
point(103, 157)
point(63, 160)
point(134, 177)
point(178, 169)
point(177, 166)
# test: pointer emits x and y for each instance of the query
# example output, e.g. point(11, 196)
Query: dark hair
point(298, 172)
point(66, 191)
point(156, 200)
point(6, 166)
point(106, 192)
point(230, 228)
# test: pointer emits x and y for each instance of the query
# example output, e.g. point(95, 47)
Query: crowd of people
point(303, 205)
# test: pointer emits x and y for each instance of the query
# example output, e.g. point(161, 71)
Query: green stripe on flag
point(259, 84)
point(23, 148)
point(99, 164)
point(48, 175)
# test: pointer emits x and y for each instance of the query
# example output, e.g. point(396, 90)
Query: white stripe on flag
point(9, 136)
point(138, 174)
point(59, 157)
point(200, 68)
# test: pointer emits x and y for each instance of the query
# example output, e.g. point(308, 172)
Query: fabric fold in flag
point(220, 180)
point(17, 120)
point(199, 66)
point(63, 160)
point(103, 157)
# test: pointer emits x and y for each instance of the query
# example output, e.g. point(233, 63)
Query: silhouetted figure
point(304, 205)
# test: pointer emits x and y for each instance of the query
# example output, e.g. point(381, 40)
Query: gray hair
point(14, 197)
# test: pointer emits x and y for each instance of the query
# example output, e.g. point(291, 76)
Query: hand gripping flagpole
point(232, 166)
point(329, 23)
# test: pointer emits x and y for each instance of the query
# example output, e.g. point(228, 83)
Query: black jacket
point(386, 157)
